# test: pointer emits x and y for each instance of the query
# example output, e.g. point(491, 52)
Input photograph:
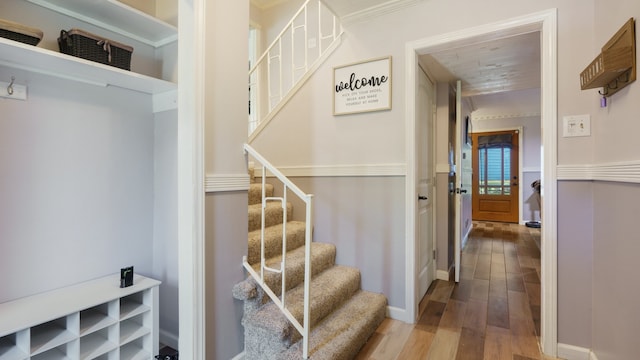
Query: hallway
point(493, 313)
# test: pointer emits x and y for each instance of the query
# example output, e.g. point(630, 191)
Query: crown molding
point(505, 116)
point(266, 4)
point(377, 10)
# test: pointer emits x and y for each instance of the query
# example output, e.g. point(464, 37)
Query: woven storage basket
point(88, 46)
point(19, 32)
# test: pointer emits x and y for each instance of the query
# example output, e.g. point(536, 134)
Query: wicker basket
point(19, 32)
point(88, 46)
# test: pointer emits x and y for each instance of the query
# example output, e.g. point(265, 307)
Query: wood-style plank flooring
point(493, 313)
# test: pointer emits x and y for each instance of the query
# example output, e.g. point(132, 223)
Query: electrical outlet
point(576, 125)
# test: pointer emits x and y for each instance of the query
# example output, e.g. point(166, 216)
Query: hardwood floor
point(492, 314)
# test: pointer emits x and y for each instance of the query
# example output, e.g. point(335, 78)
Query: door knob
point(421, 197)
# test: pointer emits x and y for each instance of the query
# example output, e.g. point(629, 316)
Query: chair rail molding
point(226, 182)
point(626, 172)
point(393, 169)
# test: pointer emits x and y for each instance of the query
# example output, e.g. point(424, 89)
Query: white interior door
point(458, 186)
point(425, 108)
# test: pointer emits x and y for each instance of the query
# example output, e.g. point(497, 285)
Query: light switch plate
point(576, 125)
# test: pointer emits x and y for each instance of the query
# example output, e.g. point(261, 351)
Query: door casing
point(546, 22)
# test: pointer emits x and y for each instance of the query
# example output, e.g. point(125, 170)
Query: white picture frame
point(362, 87)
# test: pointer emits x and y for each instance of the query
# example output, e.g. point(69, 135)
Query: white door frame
point(191, 51)
point(546, 23)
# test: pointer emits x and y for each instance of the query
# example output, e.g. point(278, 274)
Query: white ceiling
point(507, 64)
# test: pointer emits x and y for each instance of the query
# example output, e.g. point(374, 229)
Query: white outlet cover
point(576, 125)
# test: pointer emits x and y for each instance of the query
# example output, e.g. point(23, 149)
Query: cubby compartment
point(134, 328)
point(136, 350)
point(61, 352)
point(98, 317)
point(14, 346)
point(99, 343)
point(54, 333)
point(134, 304)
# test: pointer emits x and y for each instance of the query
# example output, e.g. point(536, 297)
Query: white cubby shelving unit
point(92, 320)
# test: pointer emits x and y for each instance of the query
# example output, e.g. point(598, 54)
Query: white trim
point(396, 313)
point(549, 161)
point(504, 116)
point(167, 338)
point(546, 23)
point(165, 101)
point(342, 170)
point(226, 182)
point(375, 11)
point(443, 168)
point(442, 275)
point(626, 172)
point(593, 356)
point(240, 356)
point(191, 272)
point(571, 352)
point(410, 285)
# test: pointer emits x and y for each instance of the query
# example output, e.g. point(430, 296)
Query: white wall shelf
point(117, 17)
point(83, 321)
point(31, 58)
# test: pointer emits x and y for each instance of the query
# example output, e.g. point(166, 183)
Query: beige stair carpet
point(342, 315)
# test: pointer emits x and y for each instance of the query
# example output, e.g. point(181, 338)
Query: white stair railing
point(296, 52)
point(268, 168)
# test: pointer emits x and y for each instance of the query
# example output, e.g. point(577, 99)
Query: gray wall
point(76, 184)
point(616, 320)
point(575, 256)
point(225, 99)
point(364, 218)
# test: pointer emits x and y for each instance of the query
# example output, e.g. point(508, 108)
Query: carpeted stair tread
point(255, 192)
point(329, 290)
point(273, 214)
point(273, 240)
point(323, 256)
point(341, 335)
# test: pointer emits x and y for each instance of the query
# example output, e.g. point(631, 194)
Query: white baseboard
point(397, 314)
point(168, 338)
point(239, 356)
point(442, 275)
point(593, 356)
point(571, 352)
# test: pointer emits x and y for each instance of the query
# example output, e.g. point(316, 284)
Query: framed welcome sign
point(362, 87)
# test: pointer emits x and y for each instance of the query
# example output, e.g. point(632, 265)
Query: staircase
point(342, 315)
